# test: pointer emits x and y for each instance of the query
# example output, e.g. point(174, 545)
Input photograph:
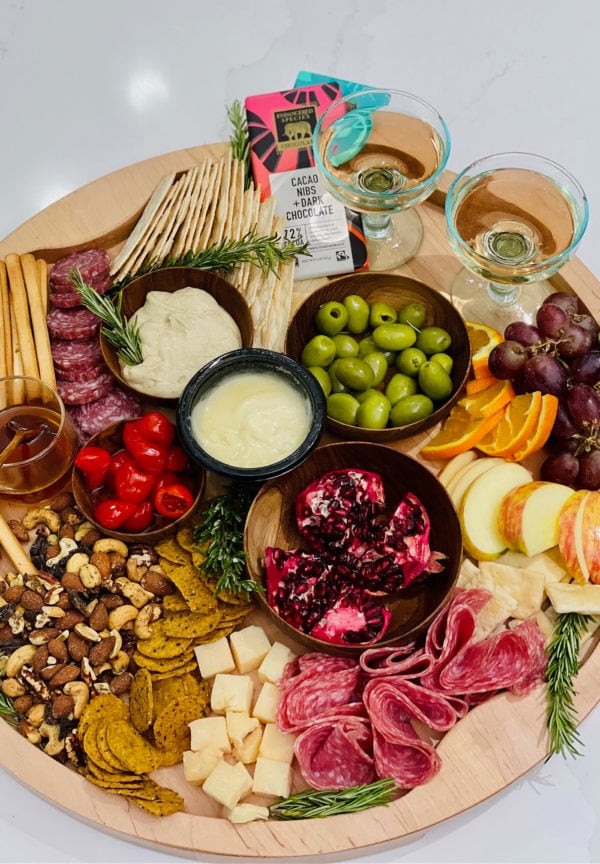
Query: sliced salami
point(117, 405)
point(81, 374)
point(388, 700)
point(313, 696)
point(75, 355)
point(406, 758)
point(78, 392)
point(71, 299)
point(91, 263)
point(336, 755)
point(72, 324)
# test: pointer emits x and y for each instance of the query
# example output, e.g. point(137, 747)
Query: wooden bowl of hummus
point(186, 317)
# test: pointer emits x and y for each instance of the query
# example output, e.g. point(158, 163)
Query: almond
point(156, 583)
point(40, 659)
point(48, 671)
point(121, 683)
point(72, 582)
point(43, 635)
point(99, 617)
point(101, 651)
point(66, 672)
point(62, 705)
point(70, 619)
point(31, 600)
point(77, 647)
point(58, 649)
point(22, 704)
point(112, 601)
point(14, 593)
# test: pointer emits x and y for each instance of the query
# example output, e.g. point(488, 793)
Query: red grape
point(589, 470)
point(563, 424)
point(575, 341)
point(584, 405)
point(507, 359)
point(544, 372)
point(526, 334)
point(586, 322)
point(568, 302)
point(551, 320)
point(586, 369)
point(560, 468)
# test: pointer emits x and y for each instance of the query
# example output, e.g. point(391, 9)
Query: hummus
point(251, 419)
point(179, 332)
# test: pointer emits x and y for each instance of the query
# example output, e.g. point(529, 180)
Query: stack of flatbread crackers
point(192, 210)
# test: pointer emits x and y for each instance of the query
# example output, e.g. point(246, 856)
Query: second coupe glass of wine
point(513, 219)
point(380, 152)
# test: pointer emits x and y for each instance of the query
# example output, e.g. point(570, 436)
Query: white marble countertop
point(86, 88)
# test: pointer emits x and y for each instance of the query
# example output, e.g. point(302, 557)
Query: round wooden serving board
point(492, 746)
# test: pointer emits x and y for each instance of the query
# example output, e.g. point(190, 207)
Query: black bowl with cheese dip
point(251, 415)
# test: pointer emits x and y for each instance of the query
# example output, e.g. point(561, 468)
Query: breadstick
point(14, 550)
point(38, 321)
point(5, 337)
point(20, 306)
point(42, 269)
point(18, 389)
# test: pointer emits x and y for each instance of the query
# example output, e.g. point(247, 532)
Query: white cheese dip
point(251, 419)
point(179, 332)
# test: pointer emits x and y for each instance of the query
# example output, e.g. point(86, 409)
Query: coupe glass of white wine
point(381, 152)
point(513, 219)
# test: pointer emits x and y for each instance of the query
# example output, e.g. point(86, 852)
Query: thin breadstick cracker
point(20, 307)
point(41, 336)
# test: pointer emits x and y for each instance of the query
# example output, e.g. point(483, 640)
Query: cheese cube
point(277, 745)
point(272, 778)
point(249, 647)
point(228, 783)
point(246, 813)
point(232, 692)
point(214, 657)
point(266, 704)
point(209, 731)
point(245, 735)
point(271, 668)
point(198, 764)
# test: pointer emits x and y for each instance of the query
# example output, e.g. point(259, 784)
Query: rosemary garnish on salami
point(122, 334)
point(311, 804)
point(220, 536)
point(563, 665)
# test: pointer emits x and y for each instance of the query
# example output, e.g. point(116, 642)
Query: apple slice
point(456, 464)
point(480, 506)
point(528, 516)
point(461, 482)
point(579, 536)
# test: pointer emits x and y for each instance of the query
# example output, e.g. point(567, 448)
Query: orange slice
point(460, 431)
point(489, 400)
point(481, 339)
point(541, 433)
point(476, 385)
point(518, 423)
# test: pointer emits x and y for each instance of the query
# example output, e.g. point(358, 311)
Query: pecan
point(14, 593)
point(70, 516)
point(35, 684)
point(58, 649)
point(40, 659)
point(101, 651)
point(43, 635)
point(62, 705)
point(19, 530)
point(71, 618)
point(156, 583)
point(121, 683)
point(31, 600)
point(72, 582)
point(99, 617)
point(77, 647)
point(143, 554)
point(65, 673)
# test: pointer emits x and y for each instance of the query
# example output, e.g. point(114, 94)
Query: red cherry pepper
point(112, 513)
point(121, 457)
point(132, 484)
point(173, 500)
point(177, 459)
point(140, 518)
point(94, 463)
point(149, 457)
point(157, 428)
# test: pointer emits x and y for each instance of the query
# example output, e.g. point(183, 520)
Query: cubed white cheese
point(233, 692)
point(228, 783)
point(276, 744)
point(214, 657)
point(249, 647)
point(271, 668)
point(245, 735)
point(209, 730)
point(266, 704)
point(246, 813)
point(271, 778)
point(198, 764)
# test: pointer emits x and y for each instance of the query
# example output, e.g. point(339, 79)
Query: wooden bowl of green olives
point(391, 354)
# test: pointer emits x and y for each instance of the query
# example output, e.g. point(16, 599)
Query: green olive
point(434, 382)
point(322, 377)
point(445, 361)
point(358, 313)
point(400, 385)
point(331, 318)
point(413, 313)
point(345, 345)
point(382, 313)
point(409, 361)
point(410, 409)
point(319, 351)
point(354, 373)
point(378, 364)
point(374, 412)
point(361, 395)
point(433, 340)
point(367, 346)
point(336, 384)
point(394, 337)
point(342, 407)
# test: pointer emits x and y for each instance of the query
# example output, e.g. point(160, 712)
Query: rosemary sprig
point(311, 804)
point(563, 665)
point(7, 711)
point(238, 140)
point(264, 252)
point(221, 537)
point(118, 331)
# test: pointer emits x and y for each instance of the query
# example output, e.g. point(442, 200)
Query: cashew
point(110, 544)
point(82, 530)
point(42, 516)
point(80, 694)
point(76, 562)
point(118, 617)
point(134, 592)
point(150, 613)
point(66, 545)
point(90, 575)
point(118, 643)
point(27, 730)
point(120, 663)
point(18, 659)
point(88, 633)
point(13, 688)
point(53, 746)
point(36, 714)
point(14, 579)
point(135, 571)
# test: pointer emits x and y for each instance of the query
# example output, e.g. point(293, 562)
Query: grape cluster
point(560, 354)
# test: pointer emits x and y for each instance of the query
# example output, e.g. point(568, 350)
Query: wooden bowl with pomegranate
point(325, 558)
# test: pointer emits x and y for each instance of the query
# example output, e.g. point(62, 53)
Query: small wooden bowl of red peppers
point(133, 480)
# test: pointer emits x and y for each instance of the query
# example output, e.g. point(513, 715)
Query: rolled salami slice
point(117, 405)
point(75, 324)
point(75, 355)
point(336, 755)
point(81, 374)
point(78, 392)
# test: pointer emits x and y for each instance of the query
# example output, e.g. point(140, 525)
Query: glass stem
point(503, 294)
point(377, 225)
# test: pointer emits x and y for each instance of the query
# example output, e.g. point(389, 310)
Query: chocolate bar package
point(280, 131)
